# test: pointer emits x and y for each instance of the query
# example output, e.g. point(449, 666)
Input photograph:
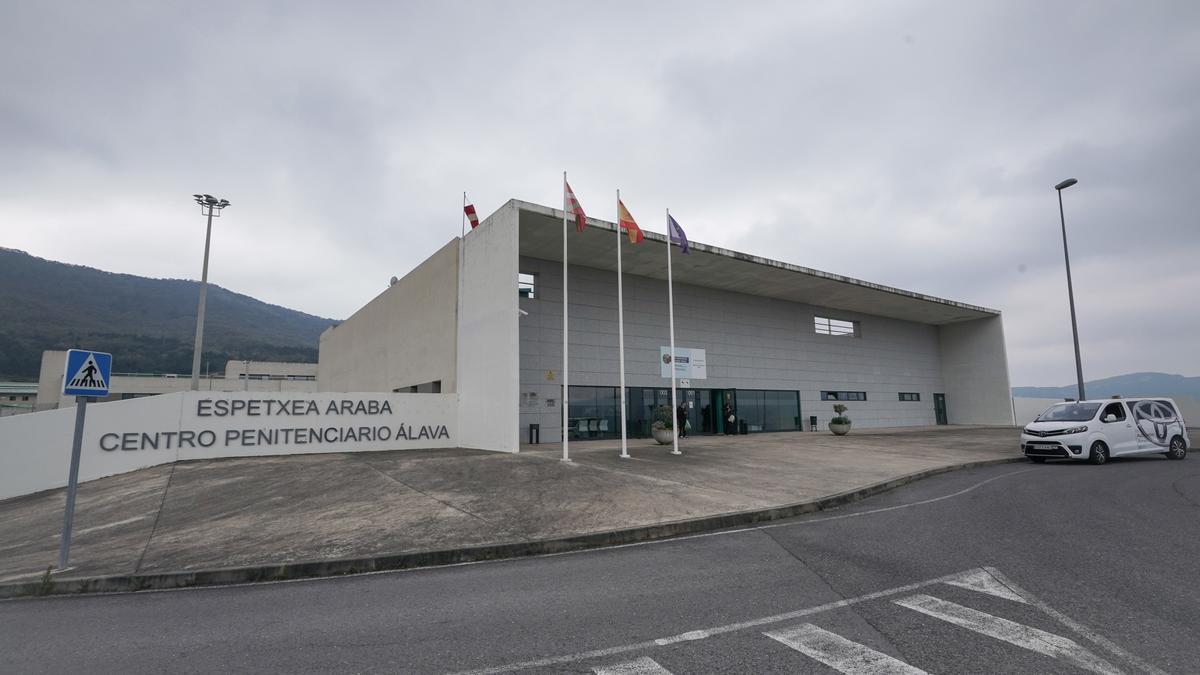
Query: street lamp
point(211, 207)
point(1070, 291)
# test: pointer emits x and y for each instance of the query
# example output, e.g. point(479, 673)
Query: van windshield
point(1069, 412)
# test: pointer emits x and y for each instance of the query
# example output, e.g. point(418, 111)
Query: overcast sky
point(914, 144)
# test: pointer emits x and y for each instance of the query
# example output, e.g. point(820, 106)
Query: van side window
point(1168, 406)
point(1114, 409)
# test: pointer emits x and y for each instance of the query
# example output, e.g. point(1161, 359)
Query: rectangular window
point(826, 326)
point(525, 285)
point(843, 396)
point(909, 396)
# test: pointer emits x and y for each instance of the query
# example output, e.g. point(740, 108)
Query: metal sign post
point(64, 550)
point(86, 375)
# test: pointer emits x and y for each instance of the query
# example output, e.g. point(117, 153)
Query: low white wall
point(121, 436)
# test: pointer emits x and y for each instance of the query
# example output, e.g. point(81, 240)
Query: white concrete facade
point(751, 343)
point(404, 337)
point(754, 317)
point(975, 369)
point(488, 335)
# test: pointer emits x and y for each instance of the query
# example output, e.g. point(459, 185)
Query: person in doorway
point(681, 419)
point(730, 420)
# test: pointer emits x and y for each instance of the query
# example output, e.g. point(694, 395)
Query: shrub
point(664, 418)
point(841, 414)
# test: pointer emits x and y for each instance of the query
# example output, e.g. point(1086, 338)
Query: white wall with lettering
point(122, 436)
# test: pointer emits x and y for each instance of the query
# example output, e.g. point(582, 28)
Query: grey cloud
point(914, 145)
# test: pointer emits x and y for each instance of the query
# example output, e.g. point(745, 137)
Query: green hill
point(1130, 385)
point(148, 324)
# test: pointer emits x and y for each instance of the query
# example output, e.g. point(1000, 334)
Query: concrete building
point(18, 397)
point(780, 343)
point(264, 376)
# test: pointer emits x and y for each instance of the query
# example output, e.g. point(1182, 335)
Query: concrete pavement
point(275, 510)
point(1105, 555)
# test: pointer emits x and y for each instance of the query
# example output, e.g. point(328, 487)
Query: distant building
point(264, 376)
point(18, 397)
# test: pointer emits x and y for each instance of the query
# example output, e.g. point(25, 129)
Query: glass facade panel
point(768, 410)
point(782, 411)
point(594, 413)
point(751, 409)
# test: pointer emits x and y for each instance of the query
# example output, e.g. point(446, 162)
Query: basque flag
point(677, 235)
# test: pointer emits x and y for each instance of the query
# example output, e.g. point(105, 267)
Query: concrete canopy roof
point(713, 267)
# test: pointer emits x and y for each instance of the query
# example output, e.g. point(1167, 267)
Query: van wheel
point(1177, 449)
point(1037, 460)
point(1099, 453)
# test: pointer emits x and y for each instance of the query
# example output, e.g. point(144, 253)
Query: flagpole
point(621, 332)
point(671, 321)
point(458, 303)
point(566, 457)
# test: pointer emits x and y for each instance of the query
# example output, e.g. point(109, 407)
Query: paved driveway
point(266, 510)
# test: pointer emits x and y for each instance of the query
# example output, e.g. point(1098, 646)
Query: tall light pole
point(1070, 291)
point(210, 206)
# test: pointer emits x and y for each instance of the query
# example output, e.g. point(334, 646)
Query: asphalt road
point(1013, 568)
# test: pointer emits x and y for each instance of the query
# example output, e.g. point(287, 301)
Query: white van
point(1099, 430)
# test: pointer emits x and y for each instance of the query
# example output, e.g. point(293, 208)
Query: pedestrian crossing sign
point(87, 373)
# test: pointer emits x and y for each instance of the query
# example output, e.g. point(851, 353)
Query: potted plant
point(664, 424)
point(840, 425)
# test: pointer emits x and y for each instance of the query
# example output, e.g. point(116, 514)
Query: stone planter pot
point(839, 429)
point(663, 436)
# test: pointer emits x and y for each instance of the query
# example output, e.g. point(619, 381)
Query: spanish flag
point(628, 224)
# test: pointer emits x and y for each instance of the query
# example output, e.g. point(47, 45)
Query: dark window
point(1115, 409)
point(1069, 412)
point(595, 412)
point(24, 398)
point(843, 396)
point(909, 396)
point(769, 410)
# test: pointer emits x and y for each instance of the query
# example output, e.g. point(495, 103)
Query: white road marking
point(981, 581)
point(1011, 632)
point(642, 666)
point(705, 633)
point(842, 655)
point(1074, 625)
point(896, 507)
point(729, 628)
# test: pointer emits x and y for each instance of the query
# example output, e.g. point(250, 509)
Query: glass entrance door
point(939, 408)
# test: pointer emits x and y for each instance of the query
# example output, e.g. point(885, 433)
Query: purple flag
point(677, 235)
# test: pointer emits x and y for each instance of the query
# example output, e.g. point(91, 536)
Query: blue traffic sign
point(87, 373)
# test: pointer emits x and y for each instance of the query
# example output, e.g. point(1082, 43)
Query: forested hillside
point(148, 324)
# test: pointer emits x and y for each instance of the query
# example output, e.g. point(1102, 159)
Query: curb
point(126, 583)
